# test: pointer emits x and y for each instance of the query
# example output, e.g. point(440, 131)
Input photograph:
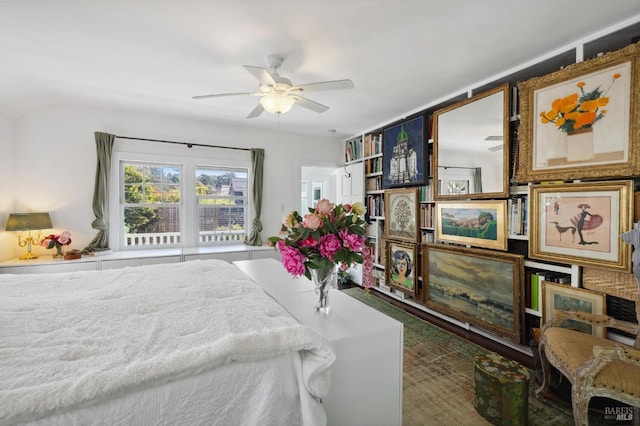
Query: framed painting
point(475, 223)
point(401, 214)
point(404, 154)
point(401, 269)
point(481, 287)
point(562, 297)
point(578, 122)
point(581, 223)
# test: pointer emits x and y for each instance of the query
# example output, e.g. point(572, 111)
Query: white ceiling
point(155, 55)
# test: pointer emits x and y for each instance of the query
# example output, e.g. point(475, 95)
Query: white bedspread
point(75, 338)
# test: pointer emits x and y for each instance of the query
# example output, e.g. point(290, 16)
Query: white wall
point(55, 157)
point(8, 246)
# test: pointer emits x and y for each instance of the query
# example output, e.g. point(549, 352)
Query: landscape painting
point(481, 287)
point(476, 223)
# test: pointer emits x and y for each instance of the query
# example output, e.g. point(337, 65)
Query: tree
point(138, 189)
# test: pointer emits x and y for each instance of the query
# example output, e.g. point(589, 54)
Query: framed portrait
point(581, 223)
point(401, 269)
point(577, 122)
point(401, 214)
point(475, 223)
point(481, 287)
point(562, 297)
point(404, 154)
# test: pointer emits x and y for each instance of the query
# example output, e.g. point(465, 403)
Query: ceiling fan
point(278, 94)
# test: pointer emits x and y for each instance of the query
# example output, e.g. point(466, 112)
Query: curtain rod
point(187, 144)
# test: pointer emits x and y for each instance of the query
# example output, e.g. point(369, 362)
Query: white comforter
point(69, 339)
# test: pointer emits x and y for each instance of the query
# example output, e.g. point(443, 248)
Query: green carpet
point(438, 384)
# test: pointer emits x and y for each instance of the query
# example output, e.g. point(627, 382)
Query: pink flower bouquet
point(329, 234)
point(51, 241)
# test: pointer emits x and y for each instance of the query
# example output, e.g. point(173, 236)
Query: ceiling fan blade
point(219, 95)
point(256, 111)
point(309, 104)
point(324, 85)
point(262, 74)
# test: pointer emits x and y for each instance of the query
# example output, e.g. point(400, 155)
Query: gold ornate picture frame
point(578, 122)
point(562, 297)
point(401, 207)
point(402, 266)
point(581, 223)
point(476, 223)
point(481, 287)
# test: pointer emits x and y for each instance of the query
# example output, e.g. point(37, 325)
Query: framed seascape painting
point(404, 154)
point(475, 223)
point(581, 223)
point(402, 266)
point(401, 214)
point(481, 287)
point(578, 122)
point(559, 297)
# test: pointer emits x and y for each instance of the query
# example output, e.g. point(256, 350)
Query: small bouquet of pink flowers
point(52, 240)
point(329, 234)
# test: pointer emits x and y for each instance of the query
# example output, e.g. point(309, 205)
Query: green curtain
point(104, 145)
point(257, 164)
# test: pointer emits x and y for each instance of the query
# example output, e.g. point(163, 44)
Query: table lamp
point(28, 222)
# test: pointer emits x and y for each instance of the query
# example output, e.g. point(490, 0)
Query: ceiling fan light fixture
point(277, 103)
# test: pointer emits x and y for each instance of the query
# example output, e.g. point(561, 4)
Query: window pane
point(151, 197)
point(222, 198)
point(155, 226)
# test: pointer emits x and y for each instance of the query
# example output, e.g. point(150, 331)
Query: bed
point(189, 343)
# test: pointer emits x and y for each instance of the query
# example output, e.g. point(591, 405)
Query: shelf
point(548, 267)
point(532, 312)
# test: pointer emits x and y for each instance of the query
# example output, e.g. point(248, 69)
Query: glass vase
point(324, 279)
point(58, 252)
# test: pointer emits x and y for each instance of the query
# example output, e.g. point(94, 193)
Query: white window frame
point(189, 159)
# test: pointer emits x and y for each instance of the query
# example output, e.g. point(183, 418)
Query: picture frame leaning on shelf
point(581, 223)
point(476, 223)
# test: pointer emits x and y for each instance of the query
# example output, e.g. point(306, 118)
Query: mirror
point(471, 147)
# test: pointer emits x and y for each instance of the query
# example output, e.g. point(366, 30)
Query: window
point(151, 204)
point(165, 197)
point(222, 199)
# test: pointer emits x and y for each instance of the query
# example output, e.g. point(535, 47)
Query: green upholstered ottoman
point(502, 390)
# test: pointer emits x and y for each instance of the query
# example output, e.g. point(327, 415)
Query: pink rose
point(309, 242)
point(293, 260)
point(347, 208)
point(290, 220)
point(324, 207)
point(352, 241)
point(329, 245)
point(312, 221)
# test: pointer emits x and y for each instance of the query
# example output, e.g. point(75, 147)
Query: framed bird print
point(581, 223)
